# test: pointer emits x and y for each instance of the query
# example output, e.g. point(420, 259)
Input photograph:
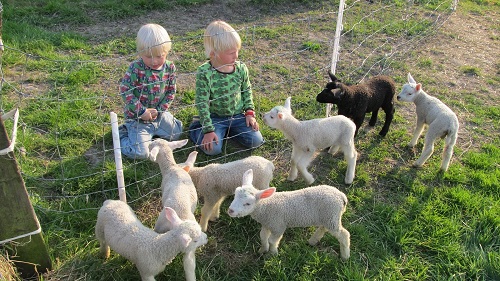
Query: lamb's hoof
point(382, 134)
point(310, 181)
point(345, 258)
point(273, 252)
point(417, 165)
point(290, 178)
point(262, 251)
point(312, 242)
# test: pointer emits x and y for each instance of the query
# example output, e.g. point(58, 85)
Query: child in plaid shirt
point(148, 88)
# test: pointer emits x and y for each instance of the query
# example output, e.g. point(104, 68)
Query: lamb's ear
point(410, 79)
point(172, 217)
point(185, 240)
point(265, 193)
point(190, 161)
point(153, 153)
point(287, 104)
point(248, 177)
point(177, 144)
point(418, 87)
point(332, 76)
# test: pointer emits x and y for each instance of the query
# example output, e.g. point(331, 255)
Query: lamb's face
point(243, 203)
point(162, 146)
point(408, 93)
point(273, 117)
point(331, 94)
point(198, 237)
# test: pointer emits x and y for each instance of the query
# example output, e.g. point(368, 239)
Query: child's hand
point(150, 114)
point(208, 140)
point(252, 122)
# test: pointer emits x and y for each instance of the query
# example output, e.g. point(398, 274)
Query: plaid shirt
point(142, 87)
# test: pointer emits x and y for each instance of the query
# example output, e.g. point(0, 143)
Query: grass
point(405, 223)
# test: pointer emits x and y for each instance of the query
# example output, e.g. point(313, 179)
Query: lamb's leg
point(449, 143)
point(318, 234)
point(333, 149)
point(210, 211)
point(416, 133)
point(147, 277)
point(216, 210)
point(292, 174)
point(373, 119)
point(344, 238)
point(427, 150)
point(274, 241)
point(303, 162)
point(350, 155)
point(103, 246)
point(189, 261)
point(104, 249)
point(264, 240)
point(358, 120)
point(389, 115)
point(206, 212)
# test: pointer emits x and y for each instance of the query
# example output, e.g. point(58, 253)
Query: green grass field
point(62, 63)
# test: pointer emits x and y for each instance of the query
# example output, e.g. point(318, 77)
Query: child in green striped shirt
point(223, 94)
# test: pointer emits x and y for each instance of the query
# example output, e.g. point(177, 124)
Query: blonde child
point(223, 94)
point(148, 88)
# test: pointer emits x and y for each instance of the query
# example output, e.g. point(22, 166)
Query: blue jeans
point(234, 127)
point(135, 135)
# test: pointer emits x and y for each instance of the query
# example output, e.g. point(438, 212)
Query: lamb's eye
point(272, 117)
point(246, 204)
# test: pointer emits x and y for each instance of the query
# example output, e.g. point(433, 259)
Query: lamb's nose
point(230, 211)
point(398, 97)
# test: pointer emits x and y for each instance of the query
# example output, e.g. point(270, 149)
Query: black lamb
point(354, 101)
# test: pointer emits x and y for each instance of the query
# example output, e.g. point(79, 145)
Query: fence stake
point(118, 157)
point(20, 230)
point(336, 46)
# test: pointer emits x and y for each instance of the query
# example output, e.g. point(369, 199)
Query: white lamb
point(320, 206)
point(214, 182)
point(307, 137)
point(443, 123)
point(178, 190)
point(118, 228)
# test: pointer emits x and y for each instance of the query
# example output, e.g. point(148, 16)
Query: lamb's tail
point(344, 200)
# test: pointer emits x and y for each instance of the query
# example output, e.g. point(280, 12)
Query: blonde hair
point(153, 39)
point(220, 36)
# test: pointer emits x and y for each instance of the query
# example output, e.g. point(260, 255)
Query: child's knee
point(133, 153)
point(253, 140)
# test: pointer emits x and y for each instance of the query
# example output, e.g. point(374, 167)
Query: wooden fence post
point(19, 226)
